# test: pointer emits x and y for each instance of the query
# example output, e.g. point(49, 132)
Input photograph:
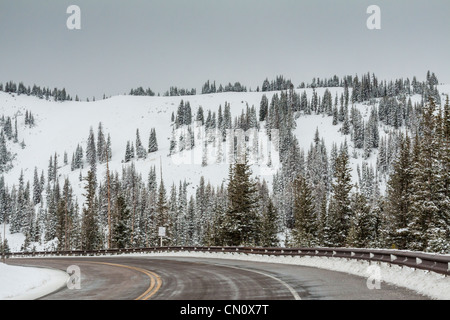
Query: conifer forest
point(381, 179)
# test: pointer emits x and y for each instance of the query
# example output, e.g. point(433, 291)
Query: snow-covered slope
point(26, 283)
point(61, 126)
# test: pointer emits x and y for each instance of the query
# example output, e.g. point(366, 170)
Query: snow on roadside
point(433, 285)
point(28, 283)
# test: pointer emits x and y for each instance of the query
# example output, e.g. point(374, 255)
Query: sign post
point(161, 234)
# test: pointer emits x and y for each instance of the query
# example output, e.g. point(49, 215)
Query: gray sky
point(158, 44)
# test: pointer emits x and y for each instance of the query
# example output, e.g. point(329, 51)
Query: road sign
point(161, 234)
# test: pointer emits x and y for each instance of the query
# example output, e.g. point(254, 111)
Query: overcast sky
point(158, 44)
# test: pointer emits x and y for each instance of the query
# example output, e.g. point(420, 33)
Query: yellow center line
point(154, 279)
point(158, 284)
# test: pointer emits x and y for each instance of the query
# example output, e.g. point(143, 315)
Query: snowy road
point(186, 278)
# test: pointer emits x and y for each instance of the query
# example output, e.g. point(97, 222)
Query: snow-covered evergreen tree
point(339, 211)
point(141, 153)
point(152, 143)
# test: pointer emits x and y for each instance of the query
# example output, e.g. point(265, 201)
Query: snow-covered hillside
point(59, 127)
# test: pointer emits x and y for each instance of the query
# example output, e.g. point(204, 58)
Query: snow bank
point(431, 284)
point(27, 283)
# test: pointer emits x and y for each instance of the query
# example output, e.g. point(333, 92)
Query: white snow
point(16, 241)
point(28, 283)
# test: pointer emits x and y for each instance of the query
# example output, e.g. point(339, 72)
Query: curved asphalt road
point(179, 278)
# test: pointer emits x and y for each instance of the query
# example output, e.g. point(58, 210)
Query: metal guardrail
point(425, 261)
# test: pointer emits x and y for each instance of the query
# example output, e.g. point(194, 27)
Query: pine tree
point(241, 226)
point(37, 192)
point(269, 226)
point(132, 150)
point(121, 226)
point(190, 222)
point(264, 108)
point(4, 201)
point(162, 210)
point(152, 143)
point(346, 124)
point(445, 176)
point(399, 197)
point(5, 155)
point(78, 159)
point(4, 246)
point(173, 215)
point(18, 217)
point(50, 171)
point(361, 231)
point(339, 209)
point(430, 217)
point(55, 167)
point(335, 116)
point(141, 153)
point(64, 214)
point(91, 153)
point(128, 154)
point(180, 118)
point(200, 117)
point(90, 234)
point(201, 212)
point(305, 230)
point(16, 135)
point(187, 113)
point(52, 197)
point(101, 144)
point(368, 142)
point(179, 223)
point(108, 148)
